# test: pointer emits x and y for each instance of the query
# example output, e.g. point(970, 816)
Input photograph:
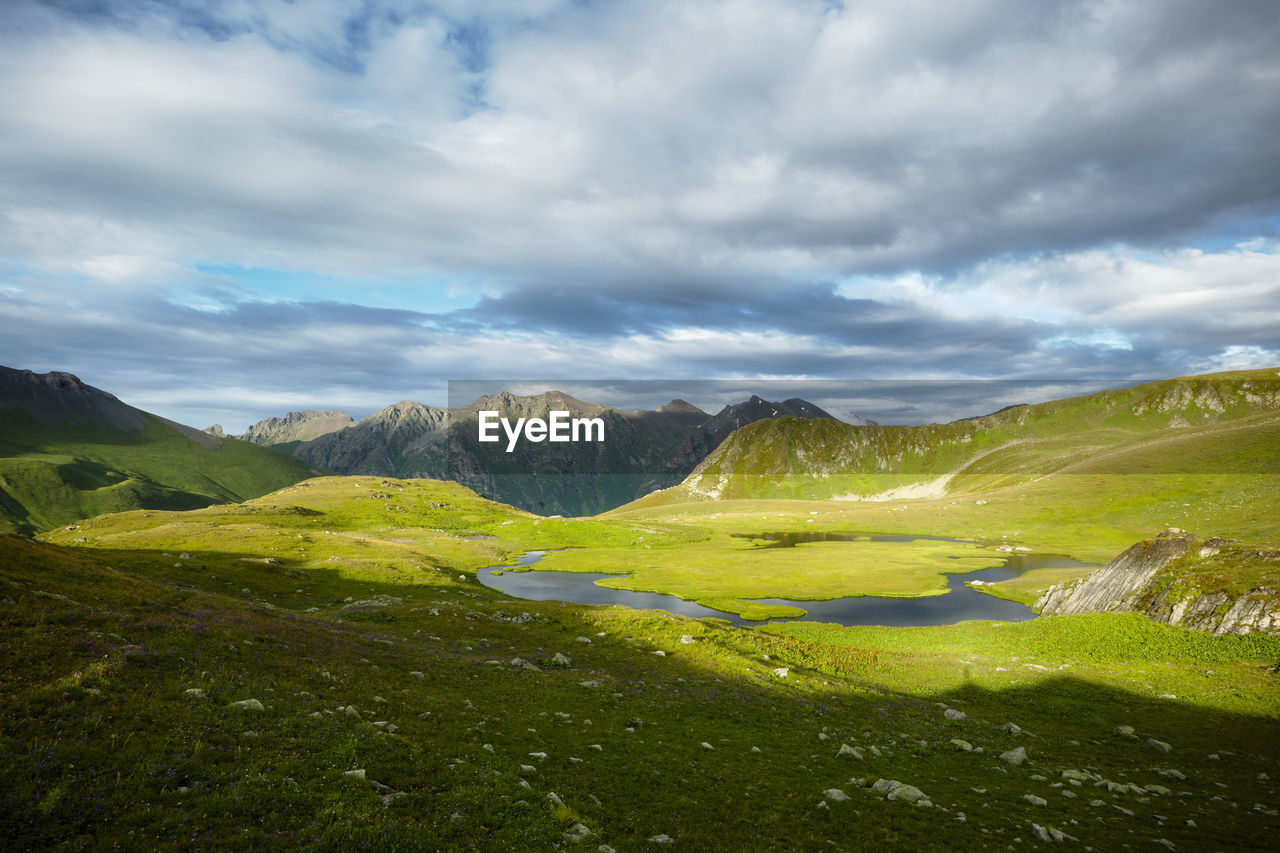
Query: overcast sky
point(222, 211)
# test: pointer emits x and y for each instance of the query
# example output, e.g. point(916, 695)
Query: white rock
point(194, 693)
point(835, 795)
point(577, 832)
point(1034, 800)
point(247, 705)
point(686, 639)
point(1014, 757)
point(660, 839)
point(954, 715)
point(706, 745)
point(355, 774)
point(560, 659)
point(782, 671)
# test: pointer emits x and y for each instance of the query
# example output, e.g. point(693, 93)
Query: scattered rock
point(660, 839)
point(782, 671)
point(891, 789)
point(1124, 731)
point(375, 603)
point(847, 751)
point(954, 715)
point(417, 674)
point(1159, 745)
point(706, 745)
point(577, 833)
point(686, 639)
point(1049, 833)
point(194, 693)
point(1011, 728)
point(247, 705)
point(355, 774)
point(588, 684)
point(835, 795)
point(1014, 757)
point(1034, 800)
point(560, 660)
point(961, 745)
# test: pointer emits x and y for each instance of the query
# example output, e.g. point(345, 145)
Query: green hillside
point(388, 701)
point(1224, 423)
point(53, 474)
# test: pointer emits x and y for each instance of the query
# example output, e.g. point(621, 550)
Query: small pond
point(961, 603)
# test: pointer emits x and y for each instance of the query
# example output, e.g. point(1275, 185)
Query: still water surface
point(961, 602)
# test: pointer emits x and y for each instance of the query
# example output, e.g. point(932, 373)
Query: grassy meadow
point(349, 609)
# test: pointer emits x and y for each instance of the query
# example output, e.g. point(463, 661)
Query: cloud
point(746, 187)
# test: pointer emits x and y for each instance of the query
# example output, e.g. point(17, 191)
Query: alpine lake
point(960, 603)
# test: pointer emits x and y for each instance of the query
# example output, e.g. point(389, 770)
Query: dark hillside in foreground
point(70, 451)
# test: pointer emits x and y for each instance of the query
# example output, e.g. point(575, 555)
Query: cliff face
point(1217, 585)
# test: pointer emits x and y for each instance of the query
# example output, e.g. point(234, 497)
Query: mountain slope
point(69, 451)
point(644, 450)
point(1130, 430)
point(296, 427)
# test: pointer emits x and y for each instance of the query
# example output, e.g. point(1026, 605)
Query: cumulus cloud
point(740, 187)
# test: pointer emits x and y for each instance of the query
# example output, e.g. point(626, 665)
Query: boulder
point(1015, 757)
point(247, 705)
point(892, 789)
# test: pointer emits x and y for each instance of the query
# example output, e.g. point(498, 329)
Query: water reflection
point(961, 603)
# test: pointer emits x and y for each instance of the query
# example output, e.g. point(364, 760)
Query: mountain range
point(646, 449)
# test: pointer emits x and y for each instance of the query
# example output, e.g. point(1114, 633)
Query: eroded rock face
point(1165, 579)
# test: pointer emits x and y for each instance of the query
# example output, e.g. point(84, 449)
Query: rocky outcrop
point(297, 426)
point(1217, 585)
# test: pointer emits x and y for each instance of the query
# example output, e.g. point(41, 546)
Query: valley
point(325, 666)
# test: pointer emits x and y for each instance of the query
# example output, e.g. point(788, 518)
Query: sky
point(224, 211)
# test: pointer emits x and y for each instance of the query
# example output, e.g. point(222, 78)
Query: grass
point(727, 740)
point(54, 475)
point(104, 748)
point(721, 572)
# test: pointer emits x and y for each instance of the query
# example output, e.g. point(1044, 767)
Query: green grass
point(721, 572)
point(103, 748)
point(53, 475)
point(107, 622)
